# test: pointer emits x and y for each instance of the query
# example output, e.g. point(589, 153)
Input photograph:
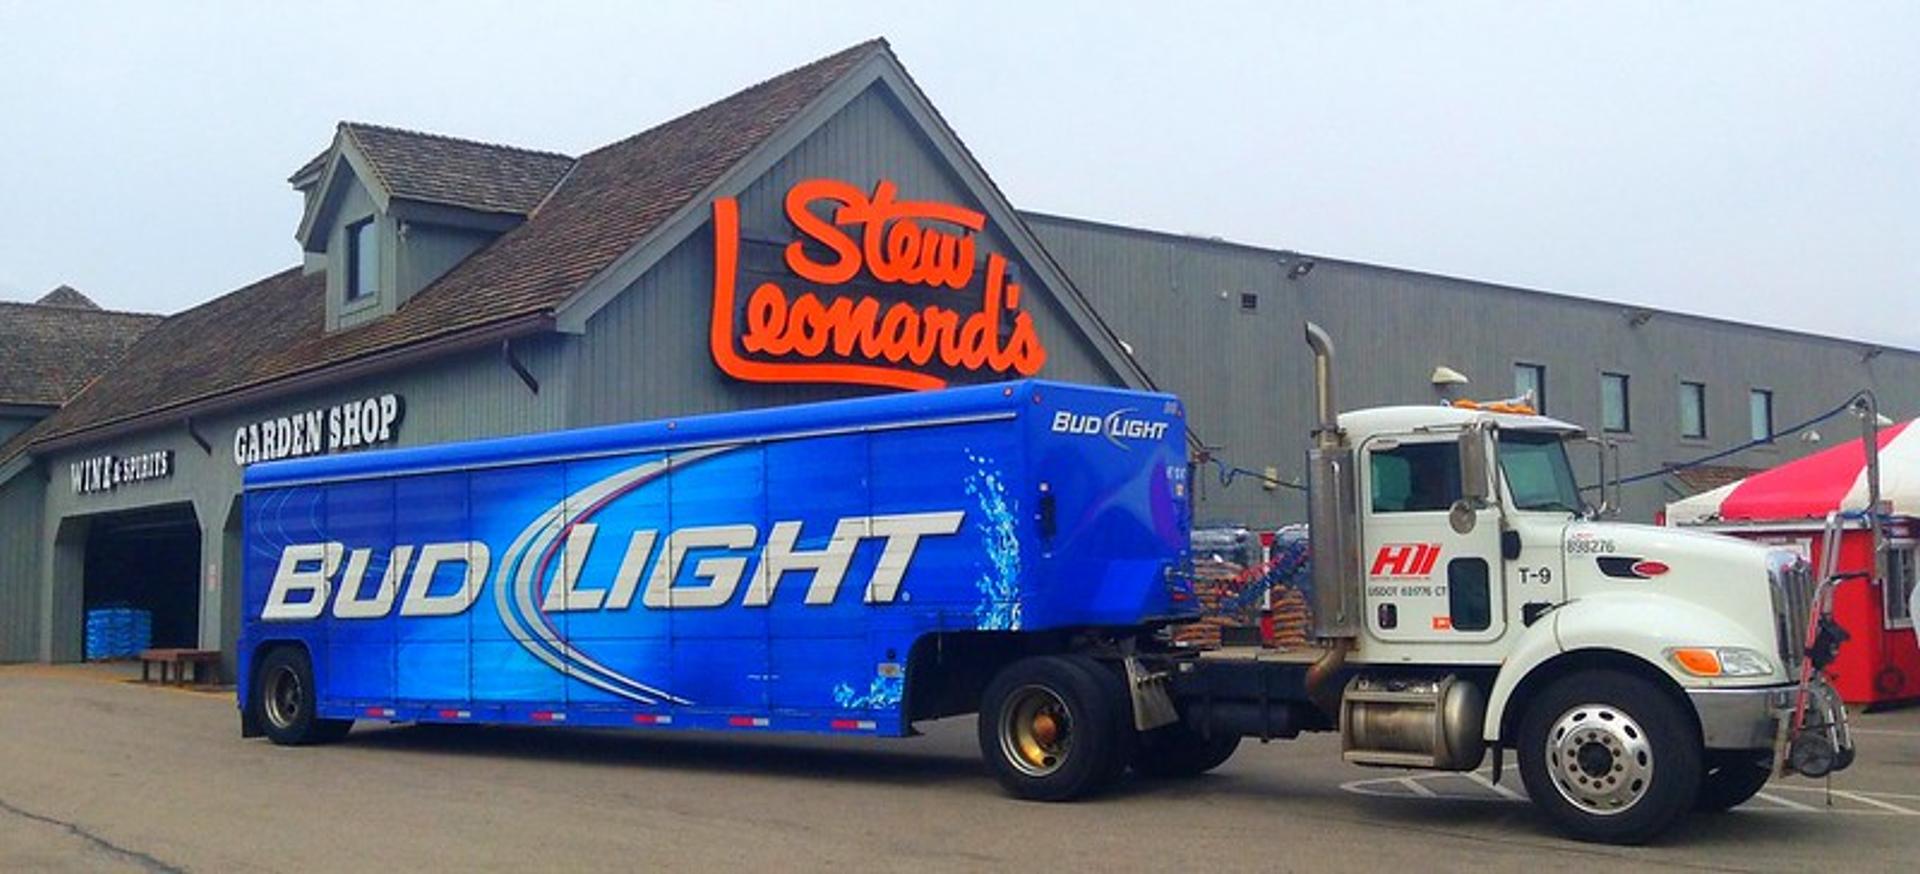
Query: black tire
point(1048, 729)
point(283, 700)
point(1177, 752)
point(1621, 746)
point(1113, 679)
point(1732, 778)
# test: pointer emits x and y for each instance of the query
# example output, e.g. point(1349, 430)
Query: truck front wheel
point(1609, 757)
point(284, 700)
point(1049, 729)
point(1732, 778)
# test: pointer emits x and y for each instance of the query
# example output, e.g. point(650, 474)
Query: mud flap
point(1152, 702)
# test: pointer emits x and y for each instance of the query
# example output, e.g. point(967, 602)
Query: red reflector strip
point(549, 716)
point(852, 725)
point(380, 712)
point(456, 714)
point(652, 719)
point(748, 721)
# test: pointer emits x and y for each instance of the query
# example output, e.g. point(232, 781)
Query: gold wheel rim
point(1036, 731)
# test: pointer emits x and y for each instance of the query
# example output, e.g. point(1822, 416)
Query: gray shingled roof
point(440, 169)
point(51, 348)
point(613, 197)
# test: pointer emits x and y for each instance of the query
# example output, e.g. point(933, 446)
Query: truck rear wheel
point(1731, 779)
point(284, 700)
point(1609, 757)
point(1050, 729)
point(1177, 751)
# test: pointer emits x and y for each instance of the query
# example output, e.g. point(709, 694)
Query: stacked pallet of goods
point(1290, 577)
point(1222, 561)
point(1236, 578)
point(117, 632)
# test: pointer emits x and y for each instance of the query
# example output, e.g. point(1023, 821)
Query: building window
point(1615, 415)
point(1249, 301)
point(1899, 585)
point(1760, 413)
point(363, 260)
point(1415, 477)
point(1693, 410)
point(1530, 381)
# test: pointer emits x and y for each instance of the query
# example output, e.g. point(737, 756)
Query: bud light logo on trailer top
point(1115, 426)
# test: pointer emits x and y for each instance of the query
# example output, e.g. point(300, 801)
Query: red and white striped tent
point(1789, 505)
point(1835, 479)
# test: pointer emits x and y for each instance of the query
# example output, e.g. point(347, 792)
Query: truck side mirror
point(1474, 490)
point(1475, 468)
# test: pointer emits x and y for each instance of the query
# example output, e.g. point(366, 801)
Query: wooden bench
point(178, 660)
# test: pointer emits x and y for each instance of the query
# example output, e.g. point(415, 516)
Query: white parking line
point(1883, 805)
point(1790, 805)
point(1481, 779)
point(1789, 787)
point(1447, 786)
point(1416, 788)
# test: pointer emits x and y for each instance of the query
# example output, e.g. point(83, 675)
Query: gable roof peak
point(69, 297)
point(805, 77)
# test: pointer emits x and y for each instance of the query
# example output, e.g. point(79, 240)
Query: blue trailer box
point(772, 569)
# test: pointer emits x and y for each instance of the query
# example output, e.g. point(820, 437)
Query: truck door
point(1426, 582)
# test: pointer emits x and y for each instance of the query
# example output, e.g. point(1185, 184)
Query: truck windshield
point(1538, 472)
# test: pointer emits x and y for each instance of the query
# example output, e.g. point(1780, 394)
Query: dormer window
point(388, 212)
point(363, 260)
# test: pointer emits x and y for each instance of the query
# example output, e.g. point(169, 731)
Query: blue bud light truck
point(846, 567)
point(1020, 551)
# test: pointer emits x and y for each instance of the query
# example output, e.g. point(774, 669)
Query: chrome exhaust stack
point(1332, 533)
point(1331, 508)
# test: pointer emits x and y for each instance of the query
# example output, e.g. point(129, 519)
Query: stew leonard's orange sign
point(889, 294)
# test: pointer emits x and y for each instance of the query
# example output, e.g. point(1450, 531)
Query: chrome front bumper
point(1760, 718)
point(1742, 719)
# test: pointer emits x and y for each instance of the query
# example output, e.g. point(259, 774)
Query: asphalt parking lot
point(100, 774)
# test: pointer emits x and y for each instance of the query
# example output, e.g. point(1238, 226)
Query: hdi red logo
point(1405, 560)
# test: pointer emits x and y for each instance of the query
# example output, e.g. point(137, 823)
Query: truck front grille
point(1793, 590)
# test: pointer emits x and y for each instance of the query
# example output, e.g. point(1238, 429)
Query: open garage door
point(148, 560)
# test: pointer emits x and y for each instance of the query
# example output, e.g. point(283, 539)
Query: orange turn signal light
point(1698, 662)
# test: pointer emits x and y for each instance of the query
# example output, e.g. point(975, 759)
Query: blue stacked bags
point(118, 632)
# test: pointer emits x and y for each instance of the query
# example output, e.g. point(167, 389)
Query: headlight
point(1726, 661)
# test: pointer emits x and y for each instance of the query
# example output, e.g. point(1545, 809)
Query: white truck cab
point(1475, 600)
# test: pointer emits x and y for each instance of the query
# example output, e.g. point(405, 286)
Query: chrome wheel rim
point(284, 697)
point(1036, 731)
point(1600, 759)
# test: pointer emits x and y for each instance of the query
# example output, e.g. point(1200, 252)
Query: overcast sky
point(1758, 161)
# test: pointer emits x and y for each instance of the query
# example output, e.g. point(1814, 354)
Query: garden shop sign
point(353, 425)
point(870, 289)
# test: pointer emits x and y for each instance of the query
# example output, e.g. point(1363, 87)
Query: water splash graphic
point(999, 584)
point(882, 694)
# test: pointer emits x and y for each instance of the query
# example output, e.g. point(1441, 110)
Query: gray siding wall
point(646, 354)
point(428, 251)
point(1247, 377)
point(20, 528)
